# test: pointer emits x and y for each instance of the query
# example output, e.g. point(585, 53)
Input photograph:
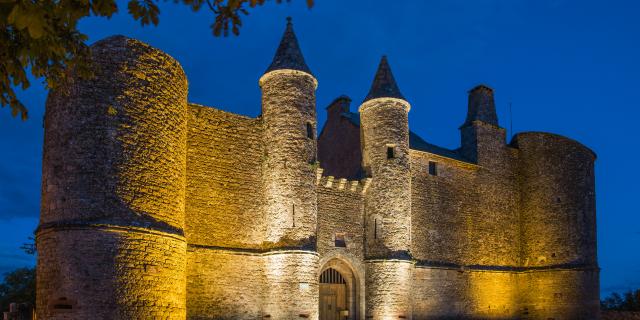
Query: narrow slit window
point(375, 228)
point(309, 130)
point(62, 305)
point(293, 215)
point(391, 152)
point(433, 168)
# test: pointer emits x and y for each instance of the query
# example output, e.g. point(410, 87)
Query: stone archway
point(340, 291)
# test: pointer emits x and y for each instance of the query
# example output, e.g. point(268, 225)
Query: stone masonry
point(155, 208)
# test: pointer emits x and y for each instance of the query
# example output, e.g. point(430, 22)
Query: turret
point(289, 116)
point(481, 136)
point(385, 151)
point(110, 240)
point(558, 226)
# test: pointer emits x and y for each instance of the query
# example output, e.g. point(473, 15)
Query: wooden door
point(328, 307)
point(333, 295)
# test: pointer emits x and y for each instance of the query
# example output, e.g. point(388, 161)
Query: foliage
point(629, 301)
point(18, 286)
point(42, 36)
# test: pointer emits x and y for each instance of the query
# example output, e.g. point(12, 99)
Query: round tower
point(385, 143)
point(289, 173)
point(558, 226)
point(110, 240)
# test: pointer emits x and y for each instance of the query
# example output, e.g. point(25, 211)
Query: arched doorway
point(339, 291)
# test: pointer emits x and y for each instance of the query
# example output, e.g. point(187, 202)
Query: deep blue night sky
point(568, 67)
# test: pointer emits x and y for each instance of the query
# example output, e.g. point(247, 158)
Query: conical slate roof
point(288, 55)
point(384, 85)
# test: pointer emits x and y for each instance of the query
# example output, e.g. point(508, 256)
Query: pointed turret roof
point(288, 55)
point(384, 85)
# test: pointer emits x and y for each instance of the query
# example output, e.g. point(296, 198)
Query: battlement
point(331, 182)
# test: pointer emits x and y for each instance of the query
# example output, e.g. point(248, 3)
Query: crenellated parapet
point(343, 184)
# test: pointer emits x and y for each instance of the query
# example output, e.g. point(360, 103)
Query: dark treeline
point(628, 301)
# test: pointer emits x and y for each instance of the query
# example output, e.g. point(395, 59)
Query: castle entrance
point(338, 292)
point(333, 295)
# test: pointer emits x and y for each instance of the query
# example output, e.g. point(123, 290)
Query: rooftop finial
point(384, 85)
point(289, 55)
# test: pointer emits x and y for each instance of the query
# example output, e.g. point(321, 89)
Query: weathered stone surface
point(224, 284)
point(289, 165)
point(153, 208)
point(224, 187)
point(388, 287)
point(111, 232)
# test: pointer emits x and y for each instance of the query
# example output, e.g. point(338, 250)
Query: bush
point(18, 286)
point(629, 301)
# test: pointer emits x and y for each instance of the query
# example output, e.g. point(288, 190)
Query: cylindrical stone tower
point(558, 227)
point(385, 142)
point(289, 173)
point(110, 241)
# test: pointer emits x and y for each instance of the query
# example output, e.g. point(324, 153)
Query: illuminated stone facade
point(155, 208)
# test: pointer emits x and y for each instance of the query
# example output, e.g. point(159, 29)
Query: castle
point(156, 208)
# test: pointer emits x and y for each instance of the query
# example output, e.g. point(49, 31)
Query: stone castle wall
point(110, 239)
point(224, 171)
point(289, 175)
point(174, 210)
point(224, 284)
point(558, 227)
point(442, 207)
point(541, 191)
point(560, 294)
point(558, 207)
point(341, 213)
point(386, 158)
point(451, 293)
point(464, 220)
point(225, 223)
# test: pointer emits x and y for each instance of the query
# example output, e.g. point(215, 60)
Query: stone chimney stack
point(481, 106)
point(481, 136)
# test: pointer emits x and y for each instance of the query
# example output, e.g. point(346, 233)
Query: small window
point(293, 215)
point(433, 168)
point(340, 240)
point(391, 152)
point(309, 130)
point(62, 305)
point(375, 228)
